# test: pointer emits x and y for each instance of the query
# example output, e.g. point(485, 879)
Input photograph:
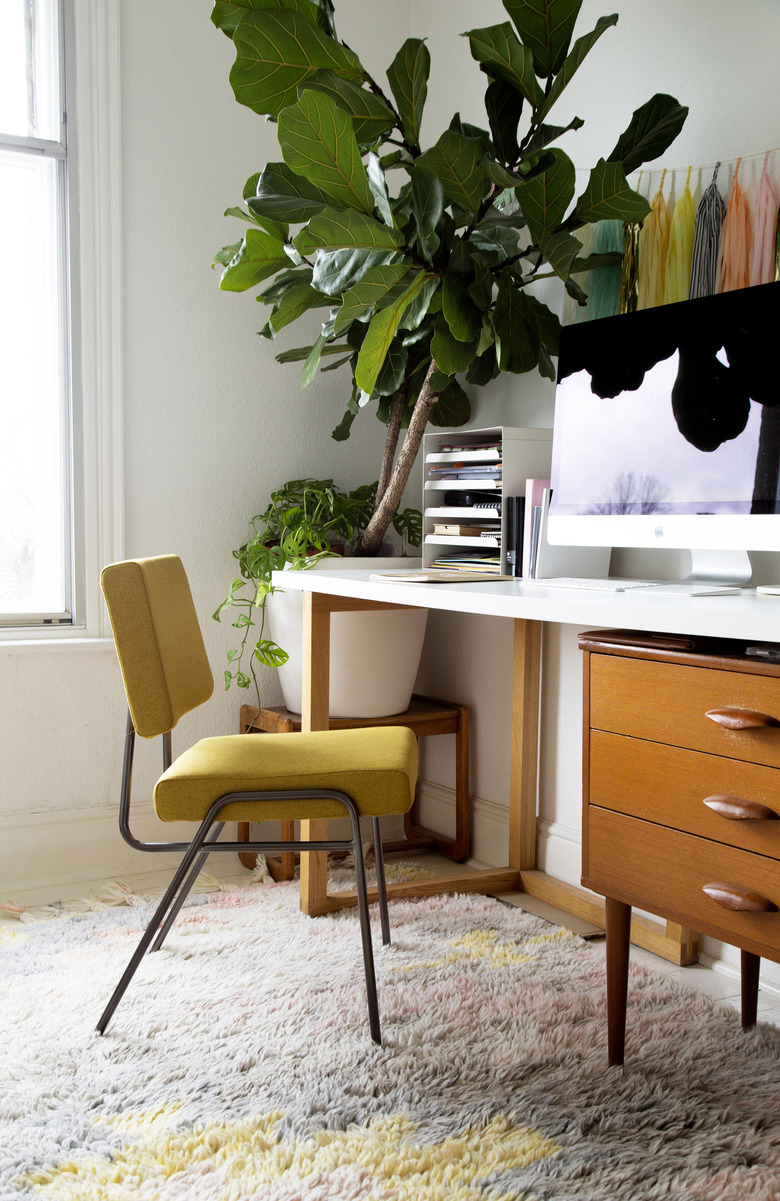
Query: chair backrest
point(158, 640)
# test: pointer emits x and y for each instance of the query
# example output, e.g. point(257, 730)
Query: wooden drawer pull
point(741, 719)
point(737, 808)
point(734, 896)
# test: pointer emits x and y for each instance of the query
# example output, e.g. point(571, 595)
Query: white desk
point(749, 617)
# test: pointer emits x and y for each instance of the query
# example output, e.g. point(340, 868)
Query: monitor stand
point(713, 573)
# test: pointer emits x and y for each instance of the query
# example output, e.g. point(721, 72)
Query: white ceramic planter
point(374, 656)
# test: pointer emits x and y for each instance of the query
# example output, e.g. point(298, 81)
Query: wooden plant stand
point(425, 716)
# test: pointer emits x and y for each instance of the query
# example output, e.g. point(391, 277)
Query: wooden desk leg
point(751, 966)
point(525, 744)
point(314, 716)
point(618, 936)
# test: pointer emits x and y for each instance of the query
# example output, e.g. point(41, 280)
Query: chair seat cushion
point(377, 767)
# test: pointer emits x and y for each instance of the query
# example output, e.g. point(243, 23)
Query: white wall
point(212, 423)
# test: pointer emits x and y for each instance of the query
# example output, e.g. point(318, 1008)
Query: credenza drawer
point(666, 871)
point(669, 785)
point(669, 703)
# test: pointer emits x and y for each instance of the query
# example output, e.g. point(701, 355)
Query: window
point(35, 493)
point(60, 338)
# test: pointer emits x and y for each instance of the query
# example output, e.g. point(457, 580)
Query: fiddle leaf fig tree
point(421, 257)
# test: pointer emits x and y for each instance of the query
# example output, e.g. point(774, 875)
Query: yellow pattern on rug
point(239, 1158)
point(485, 946)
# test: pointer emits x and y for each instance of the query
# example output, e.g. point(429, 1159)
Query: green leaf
point(335, 229)
point(393, 370)
point(424, 303)
point(295, 301)
point(451, 355)
point(226, 15)
point(260, 255)
point(452, 408)
point(427, 204)
point(461, 314)
point(504, 105)
point(546, 28)
point(276, 51)
point(370, 116)
point(608, 195)
point(573, 61)
point(269, 653)
point(545, 198)
point(317, 142)
point(286, 279)
point(457, 161)
point(344, 427)
point(225, 256)
point(652, 130)
point(312, 361)
point(483, 369)
point(545, 134)
point(337, 270)
point(517, 333)
point(497, 48)
point(560, 250)
point(592, 261)
point(281, 194)
point(299, 353)
point(374, 288)
point(378, 185)
point(408, 79)
point(380, 334)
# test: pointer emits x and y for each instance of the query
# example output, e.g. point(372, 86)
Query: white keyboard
point(592, 585)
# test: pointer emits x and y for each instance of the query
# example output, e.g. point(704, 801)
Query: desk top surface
point(747, 616)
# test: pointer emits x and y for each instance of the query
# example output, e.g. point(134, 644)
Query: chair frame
point(206, 842)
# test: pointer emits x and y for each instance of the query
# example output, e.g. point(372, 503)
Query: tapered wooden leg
point(751, 966)
point(618, 933)
point(525, 744)
point(314, 716)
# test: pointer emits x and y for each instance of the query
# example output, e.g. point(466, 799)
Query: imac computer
point(667, 431)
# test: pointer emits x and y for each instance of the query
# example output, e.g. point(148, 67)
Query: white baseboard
point(68, 851)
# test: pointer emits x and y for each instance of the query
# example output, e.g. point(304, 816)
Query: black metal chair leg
point(151, 929)
point(185, 890)
point(381, 882)
point(365, 930)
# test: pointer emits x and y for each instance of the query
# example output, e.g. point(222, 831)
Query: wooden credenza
point(682, 799)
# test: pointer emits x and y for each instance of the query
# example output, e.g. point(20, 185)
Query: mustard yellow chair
point(366, 772)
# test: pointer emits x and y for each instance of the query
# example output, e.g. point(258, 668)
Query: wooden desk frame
point(671, 941)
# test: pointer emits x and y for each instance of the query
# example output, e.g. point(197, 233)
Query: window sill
point(44, 644)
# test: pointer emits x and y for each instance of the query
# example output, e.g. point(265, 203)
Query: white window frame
point(92, 78)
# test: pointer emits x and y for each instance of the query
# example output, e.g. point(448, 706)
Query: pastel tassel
point(603, 283)
point(734, 249)
point(653, 246)
point(763, 249)
point(709, 223)
point(682, 232)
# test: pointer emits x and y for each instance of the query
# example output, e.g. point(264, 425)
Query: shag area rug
point(239, 1064)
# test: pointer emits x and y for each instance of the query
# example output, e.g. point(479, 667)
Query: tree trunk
point(387, 504)
point(391, 441)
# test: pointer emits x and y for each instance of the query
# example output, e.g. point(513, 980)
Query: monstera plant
point(421, 258)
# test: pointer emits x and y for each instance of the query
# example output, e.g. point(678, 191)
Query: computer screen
point(667, 427)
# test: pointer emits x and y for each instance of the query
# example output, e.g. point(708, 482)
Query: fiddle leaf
point(573, 62)
point(609, 196)
point(498, 50)
point(317, 142)
point(408, 79)
point(260, 255)
point(545, 27)
point(276, 51)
